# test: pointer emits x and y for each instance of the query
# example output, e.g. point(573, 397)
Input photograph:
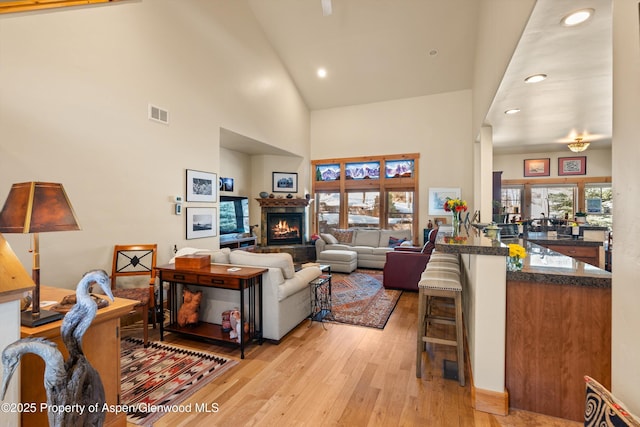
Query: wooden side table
point(215, 276)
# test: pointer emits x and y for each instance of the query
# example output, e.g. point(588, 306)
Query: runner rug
point(360, 299)
point(159, 376)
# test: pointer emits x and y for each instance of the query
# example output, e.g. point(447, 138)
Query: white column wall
point(625, 354)
point(485, 301)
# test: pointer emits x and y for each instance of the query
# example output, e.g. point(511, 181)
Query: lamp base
point(45, 316)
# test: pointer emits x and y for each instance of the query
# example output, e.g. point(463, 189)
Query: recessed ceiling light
point(536, 78)
point(322, 73)
point(512, 111)
point(577, 17)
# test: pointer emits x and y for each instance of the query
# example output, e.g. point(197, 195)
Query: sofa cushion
point(362, 249)
point(368, 238)
point(329, 238)
point(381, 251)
point(283, 260)
point(386, 235)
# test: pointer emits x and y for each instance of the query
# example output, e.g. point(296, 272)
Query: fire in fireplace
point(284, 228)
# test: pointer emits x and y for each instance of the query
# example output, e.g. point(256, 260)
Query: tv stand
point(245, 243)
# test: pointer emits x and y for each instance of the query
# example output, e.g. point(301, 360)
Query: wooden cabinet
point(555, 335)
point(246, 243)
point(589, 254)
point(101, 345)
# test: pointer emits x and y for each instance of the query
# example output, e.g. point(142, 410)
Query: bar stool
point(441, 256)
point(444, 284)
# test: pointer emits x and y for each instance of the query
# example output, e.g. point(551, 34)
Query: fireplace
point(284, 228)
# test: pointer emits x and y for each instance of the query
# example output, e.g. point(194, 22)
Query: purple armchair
point(404, 266)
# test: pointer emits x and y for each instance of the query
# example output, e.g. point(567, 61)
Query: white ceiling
point(379, 50)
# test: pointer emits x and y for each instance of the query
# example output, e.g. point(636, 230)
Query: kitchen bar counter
point(512, 317)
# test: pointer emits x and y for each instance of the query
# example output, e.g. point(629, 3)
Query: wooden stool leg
point(460, 338)
point(422, 310)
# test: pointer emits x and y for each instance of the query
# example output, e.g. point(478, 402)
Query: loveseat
point(370, 245)
point(286, 297)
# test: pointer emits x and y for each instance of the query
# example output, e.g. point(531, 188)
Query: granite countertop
point(472, 242)
point(546, 266)
point(541, 264)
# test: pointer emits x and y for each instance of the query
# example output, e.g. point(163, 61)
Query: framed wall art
point(201, 186)
point(226, 184)
point(201, 222)
point(537, 167)
point(285, 182)
point(572, 165)
point(437, 197)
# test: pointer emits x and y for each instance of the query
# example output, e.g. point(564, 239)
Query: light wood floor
point(340, 375)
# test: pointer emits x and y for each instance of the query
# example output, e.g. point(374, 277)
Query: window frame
point(383, 185)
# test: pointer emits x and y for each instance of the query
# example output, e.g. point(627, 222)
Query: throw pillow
point(343, 236)
point(188, 313)
point(329, 239)
point(394, 241)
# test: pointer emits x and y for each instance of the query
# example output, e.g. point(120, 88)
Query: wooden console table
point(101, 345)
point(215, 276)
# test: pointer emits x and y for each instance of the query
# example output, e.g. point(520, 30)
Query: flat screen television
point(234, 214)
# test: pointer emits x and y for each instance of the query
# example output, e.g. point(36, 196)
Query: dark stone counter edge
point(565, 242)
point(474, 250)
point(558, 279)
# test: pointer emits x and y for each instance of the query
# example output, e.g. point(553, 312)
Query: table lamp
point(35, 207)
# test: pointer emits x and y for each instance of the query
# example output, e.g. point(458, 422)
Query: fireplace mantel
point(270, 205)
point(272, 202)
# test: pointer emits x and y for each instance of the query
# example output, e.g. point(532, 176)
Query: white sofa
point(286, 299)
point(370, 245)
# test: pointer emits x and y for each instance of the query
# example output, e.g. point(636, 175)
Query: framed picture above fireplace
point(285, 182)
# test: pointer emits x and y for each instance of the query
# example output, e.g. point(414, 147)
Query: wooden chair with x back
point(130, 262)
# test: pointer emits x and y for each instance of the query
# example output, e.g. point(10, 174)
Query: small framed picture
point(572, 165)
point(201, 186)
point(437, 197)
point(226, 184)
point(201, 222)
point(537, 167)
point(285, 182)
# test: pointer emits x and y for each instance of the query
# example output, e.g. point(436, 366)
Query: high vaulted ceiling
point(379, 50)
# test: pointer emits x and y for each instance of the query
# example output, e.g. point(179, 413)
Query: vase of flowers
point(456, 207)
point(515, 260)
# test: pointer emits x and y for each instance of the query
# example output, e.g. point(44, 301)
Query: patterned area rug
point(160, 375)
point(360, 299)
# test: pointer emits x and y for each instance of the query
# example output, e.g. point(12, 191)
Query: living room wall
point(75, 85)
point(512, 165)
point(437, 126)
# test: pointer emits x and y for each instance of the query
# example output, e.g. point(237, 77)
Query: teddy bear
point(234, 318)
point(188, 313)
